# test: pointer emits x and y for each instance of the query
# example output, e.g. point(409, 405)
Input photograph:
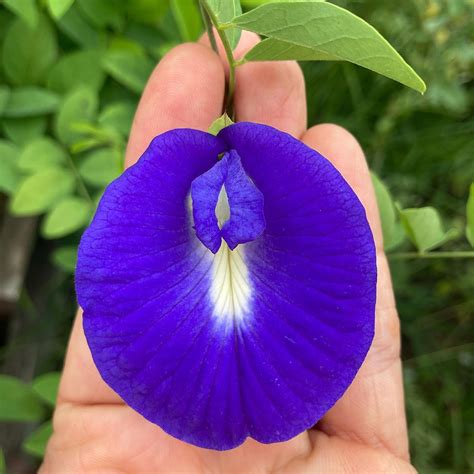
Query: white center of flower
point(230, 291)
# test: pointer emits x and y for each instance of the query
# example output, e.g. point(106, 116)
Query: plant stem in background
point(208, 24)
point(408, 255)
point(230, 57)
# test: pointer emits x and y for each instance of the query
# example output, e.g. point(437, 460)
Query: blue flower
point(228, 285)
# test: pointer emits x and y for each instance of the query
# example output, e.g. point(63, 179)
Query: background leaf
point(65, 258)
point(81, 68)
point(9, 174)
point(188, 18)
point(392, 231)
point(76, 27)
point(46, 387)
point(78, 106)
point(29, 52)
point(30, 101)
point(22, 130)
point(67, 216)
point(470, 216)
point(39, 192)
point(118, 116)
point(329, 30)
point(18, 402)
point(35, 443)
point(424, 228)
point(4, 95)
point(58, 8)
point(25, 9)
point(130, 68)
point(40, 154)
point(100, 167)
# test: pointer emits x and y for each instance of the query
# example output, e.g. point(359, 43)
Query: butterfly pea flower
point(228, 285)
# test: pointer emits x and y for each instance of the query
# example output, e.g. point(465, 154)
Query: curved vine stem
point(229, 108)
point(408, 255)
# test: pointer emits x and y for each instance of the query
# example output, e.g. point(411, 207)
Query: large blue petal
point(260, 341)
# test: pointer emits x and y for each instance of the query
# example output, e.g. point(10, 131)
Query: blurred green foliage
point(70, 78)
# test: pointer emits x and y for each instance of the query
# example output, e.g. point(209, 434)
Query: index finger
point(185, 90)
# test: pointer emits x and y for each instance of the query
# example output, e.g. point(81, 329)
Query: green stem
point(82, 187)
point(230, 58)
point(408, 255)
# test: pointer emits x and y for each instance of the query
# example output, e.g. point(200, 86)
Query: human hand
point(94, 431)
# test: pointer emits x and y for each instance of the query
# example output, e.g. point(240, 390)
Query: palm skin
point(365, 432)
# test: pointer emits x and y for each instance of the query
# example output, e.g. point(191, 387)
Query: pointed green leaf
point(58, 8)
point(130, 68)
point(30, 101)
point(28, 53)
point(46, 387)
point(35, 443)
point(65, 258)
point(39, 192)
point(424, 228)
point(103, 13)
point(9, 174)
point(18, 402)
point(23, 130)
point(330, 31)
point(25, 9)
point(78, 106)
point(100, 167)
point(67, 216)
point(392, 233)
point(470, 216)
point(225, 11)
point(81, 68)
point(188, 18)
point(40, 154)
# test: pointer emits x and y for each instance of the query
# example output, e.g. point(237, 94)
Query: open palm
point(95, 432)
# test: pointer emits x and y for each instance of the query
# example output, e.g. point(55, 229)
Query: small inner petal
point(227, 205)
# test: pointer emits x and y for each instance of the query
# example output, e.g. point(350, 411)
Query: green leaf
point(81, 68)
point(39, 192)
point(35, 443)
point(225, 11)
point(69, 215)
point(23, 130)
point(424, 228)
point(30, 101)
point(28, 53)
point(188, 18)
point(74, 25)
point(65, 258)
point(78, 106)
point(223, 121)
point(329, 32)
point(9, 174)
point(130, 68)
point(24, 9)
point(46, 387)
point(40, 154)
point(100, 167)
point(18, 402)
point(392, 231)
point(103, 13)
point(57, 8)
point(147, 11)
point(4, 95)
point(470, 216)
point(118, 116)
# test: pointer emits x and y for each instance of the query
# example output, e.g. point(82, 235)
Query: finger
point(372, 410)
point(272, 93)
point(185, 90)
